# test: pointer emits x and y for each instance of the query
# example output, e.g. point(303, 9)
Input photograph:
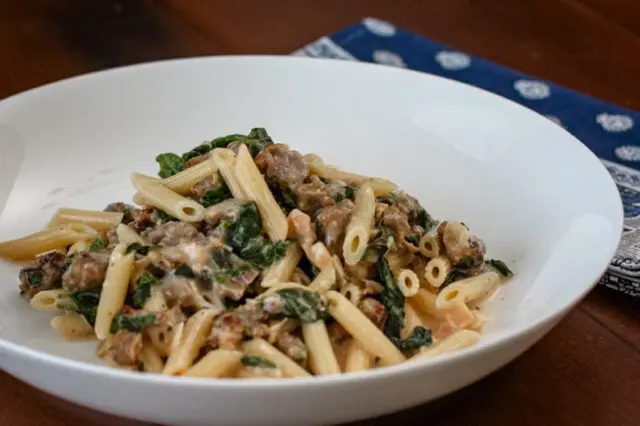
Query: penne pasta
point(324, 281)
point(411, 320)
point(357, 358)
point(262, 349)
point(72, 326)
point(352, 292)
point(183, 181)
point(127, 235)
point(408, 282)
point(467, 290)
point(429, 246)
point(360, 225)
point(151, 360)
point(317, 166)
point(322, 359)
point(49, 300)
point(98, 220)
point(282, 269)
point(82, 245)
point(182, 208)
point(27, 248)
point(114, 289)
point(437, 271)
point(256, 189)
point(224, 160)
point(425, 302)
point(362, 329)
point(217, 363)
point(459, 340)
point(194, 334)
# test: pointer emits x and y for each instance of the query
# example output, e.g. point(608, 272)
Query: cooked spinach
point(86, 303)
point(197, 151)
point(380, 243)
point(97, 245)
point(257, 140)
point(223, 276)
point(163, 216)
point(143, 289)
point(225, 141)
point(345, 192)
point(34, 278)
point(418, 337)
point(244, 236)
point(138, 248)
point(460, 270)
point(392, 299)
point(170, 164)
point(468, 263)
point(256, 361)
point(305, 305)
point(216, 195)
point(500, 266)
point(284, 196)
point(133, 323)
point(185, 270)
point(127, 214)
point(454, 275)
point(424, 220)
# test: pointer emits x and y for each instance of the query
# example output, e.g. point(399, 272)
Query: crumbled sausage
point(460, 244)
point(235, 286)
point(44, 274)
point(332, 221)
point(285, 165)
point(371, 288)
point(227, 332)
point(253, 318)
point(173, 233)
point(315, 194)
point(373, 310)
point(86, 271)
point(293, 347)
point(126, 347)
point(142, 218)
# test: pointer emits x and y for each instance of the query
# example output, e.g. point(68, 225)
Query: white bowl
point(536, 195)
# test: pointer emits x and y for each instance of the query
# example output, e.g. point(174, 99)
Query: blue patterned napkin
point(611, 132)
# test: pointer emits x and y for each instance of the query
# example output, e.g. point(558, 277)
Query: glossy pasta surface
point(244, 258)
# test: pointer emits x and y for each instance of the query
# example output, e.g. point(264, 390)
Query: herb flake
point(256, 361)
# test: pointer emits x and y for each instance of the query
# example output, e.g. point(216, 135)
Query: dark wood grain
point(587, 370)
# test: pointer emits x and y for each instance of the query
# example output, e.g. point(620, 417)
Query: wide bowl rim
point(82, 367)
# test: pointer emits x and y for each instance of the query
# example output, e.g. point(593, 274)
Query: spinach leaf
point(418, 337)
point(392, 299)
point(500, 266)
point(133, 323)
point(454, 275)
point(216, 195)
point(424, 220)
point(170, 164)
point(138, 248)
point(127, 215)
point(86, 303)
point(460, 270)
point(185, 270)
point(257, 140)
point(163, 216)
point(97, 245)
point(468, 263)
point(223, 276)
point(256, 361)
point(34, 278)
point(225, 141)
point(143, 289)
point(379, 244)
point(244, 236)
point(305, 305)
point(197, 151)
point(346, 192)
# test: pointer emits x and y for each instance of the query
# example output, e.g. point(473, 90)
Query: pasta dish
point(247, 259)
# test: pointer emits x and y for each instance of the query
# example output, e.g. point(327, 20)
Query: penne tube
point(194, 335)
point(217, 363)
point(27, 248)
point(362, 329)
point(467, 290)
point(317, 166)
point(261, 348)
point(359, 228)
point(357, 358)
point(127, 235)
point(151, 360)
point(408, 282)
point(114, 289)
point(437, 270)
point(183, 181)
point(98, 220)
point(459, 340)
point(319, 255)
point(429, 246)
point(411, 320)
point(256, 189)
point(77, 247)
point(225, 160)
point(72, 326)
point(182, 208)
point(425, 302)
point(48, 300)
point(352, 292)
point(324, 281)
point(323, 359)
point(283, 268)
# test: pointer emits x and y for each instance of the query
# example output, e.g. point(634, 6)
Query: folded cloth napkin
point(611, 132)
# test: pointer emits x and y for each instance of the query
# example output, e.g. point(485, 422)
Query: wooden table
point(587, 370)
